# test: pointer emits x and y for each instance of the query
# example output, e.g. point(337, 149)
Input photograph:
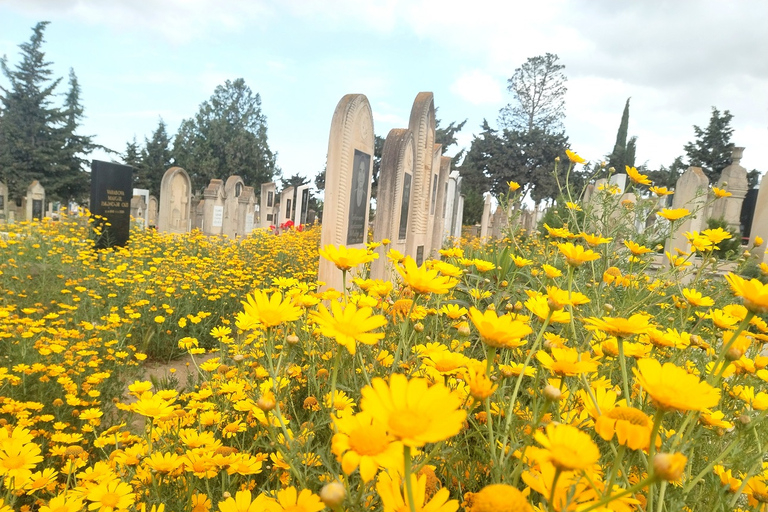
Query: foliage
point(538, 87)
point(711, 150)
point(155, 159)
point(668, 176)
point(38, 140)
point(623, 153)
point(447, 136)
point(227, 137)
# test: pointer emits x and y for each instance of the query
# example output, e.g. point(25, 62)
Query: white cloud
point(478, 88)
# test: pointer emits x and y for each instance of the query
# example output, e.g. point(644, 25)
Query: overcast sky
point(140, 60)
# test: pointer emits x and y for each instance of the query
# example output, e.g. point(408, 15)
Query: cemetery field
point(552, 370)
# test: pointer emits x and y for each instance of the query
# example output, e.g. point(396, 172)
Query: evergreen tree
point(623, 153)
point(133, 156)
point(712, 148)
point(447, 136)
point(30, 136)
point(156, 158)
point(667, 176)
point(227, 136)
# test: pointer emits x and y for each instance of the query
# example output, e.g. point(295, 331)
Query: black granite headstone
point(37, 209)
point(111, 192)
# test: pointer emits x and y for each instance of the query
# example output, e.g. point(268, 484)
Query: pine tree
point(623, 153)
point(30, 136)
point(133, 156)
point(712, 148)
point(156, 158)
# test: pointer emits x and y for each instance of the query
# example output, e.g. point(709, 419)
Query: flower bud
point(292, 339)
point(418, 327)
point(265, 403)
point(758, 241)
point(226, 495)
point(551, 393)
point(333, 494)
point(608, 308)
point(238, 357)
point(744, 419)
point(509, 306)
point(669, 466)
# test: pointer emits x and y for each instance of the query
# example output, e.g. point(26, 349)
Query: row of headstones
point(418, 202)
point(32, 205)
point(495, 223)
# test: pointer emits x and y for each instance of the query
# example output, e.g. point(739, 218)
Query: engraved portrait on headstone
point(358, 204)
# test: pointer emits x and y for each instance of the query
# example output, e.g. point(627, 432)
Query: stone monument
point(152, 212)
point(485, 220)
point(213, 208)
point(347, 182)
point(438, 231)
point(302, 204)
point(246, 203)
point(233, 190)
point(734, 180)
point(111, 193)
point(34, 202)
point(286, 206)
point(267, 205)
point(3, 202)
point(422, 125)
point(174, 214)
point(691, 193)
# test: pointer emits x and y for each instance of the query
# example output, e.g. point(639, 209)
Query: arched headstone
point(734, 180)
point(213, 208)
point(175, 202)
point(267, 205)
point(422, 125)
point(394, 195)
point(347, 181)
point(35, 201)
point(233, 189)
point(691, 193)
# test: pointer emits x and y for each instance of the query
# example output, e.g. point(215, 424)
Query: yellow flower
point(661, 191)
point(480, 386)
point(289, 500)
point(393, 499)
point(17, 459)
point(594, 240)
point(345, 258)
point(63, 503)
point(109, 496)
point(573, 157)
point(576, 255)
point(414, 412)
point(513, 186)
point(573, 206)
point(620, 327)
point(753, 292)
point(482, 265)
point(634, 175)
point(669, 466)
point(159, 319)
point(361, 441)
point(671, 387)
point(421, 280)
point(538, 304)
point(348, 324)
point(567, 362)
point(499, 498)
point(260, 308)
point(551, 271)
point(673, 214)
point(567, 447)
point(636, 249)
point(520, 261)
point(631, 426)
point(499, 331)
point(242, 503)
point(719, 192)
point(695, 298)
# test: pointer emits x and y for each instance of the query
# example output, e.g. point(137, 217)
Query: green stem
point(408, 483)
point(617, 462)
point(657, 418)
point(709, 467)
point(638, 486)
point(550, 501)
point(334, 375)
point(623, 365)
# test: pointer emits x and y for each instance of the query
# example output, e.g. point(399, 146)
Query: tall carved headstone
point(286, 205)
point(441, 167)
point(422, 125)
point(111, 193)
point(140, 207)
point(458, 223)
point(393, 197)
point(214, 197)
point(174, 214)
point(34, 202)
point(452, 202)
point(734, 180)
point(246, 203)
point(760, 218)
point(485, 220)
point(3, 202)
point(152, 212)
point(233, 189)
point(301, 208)
point(267, 205)
point(691, 193)
point(348, 181)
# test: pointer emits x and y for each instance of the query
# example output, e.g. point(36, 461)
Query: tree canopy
point(711, 150)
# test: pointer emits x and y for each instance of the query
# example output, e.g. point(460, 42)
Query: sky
point(141, 60)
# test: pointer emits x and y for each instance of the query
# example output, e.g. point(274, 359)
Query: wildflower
point(567, 362)
point(636, 249)
point(260, 308)
point(719, 192)
point(480, 386)
point(661, 191)
point(348, 324)
point(394, 500)
point(513, 186)
point(631, 426)
point(538, 304)
point(242, 502)
point(499, 331)
point(17, 459)
point(414, 412)
point(482, 265)
point(695, 298)
point(63, 503)
point(669, 466)
point(573, 206)
point(362, 442)
point(499, 498)
point(620, 327)
point(110, 496)
point(521, 262)
point(453, 311)
point(673, 214)
point(671, 387)
point(576, 255)
point(567, 447)
point(753, 292)
point(634, 175)
point(345, 258)
point(558, 232)
point(594, 240)
point(573, 157)
point(552, 272)
point(421, 280)
point(333, 494)
point(289, 500)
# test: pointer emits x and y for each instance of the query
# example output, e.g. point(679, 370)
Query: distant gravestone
point(691, 193)
point(213, 208)
point(444, 164)
point(233, 190)
point(459, 220)
point(111, 193)
point(152, 212)
point(760, 218)
point(286, 206)
point(267, 205)
point(174, 215)
point(3, 201)
point(393, 198)
point(452, 202)
point(34, 201)
point(748, 212)
point(347, 182)
point(141, 211)
point(485, 220)
point(734, 180)
point(422, 125)
point(302, 204)
point(246, 202)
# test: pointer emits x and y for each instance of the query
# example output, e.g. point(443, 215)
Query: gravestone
point(302, 204)
point(34, 202)
point(347, 182)
point(213, 208)
point(486, 218)
point(691, 193)
point(441, 165)
point(422, 125)
point(198, 212)
point(174, 215)
point(734, 180)
point(152, 212)
point(452, 202)
point(3, 202)
point(760, 219)
point(233, 189)
point(246, 212)
point(620, 180)
point(267, 205)
point(458, 223)
point(748, 213)
point(141, 212)
point(393, 197)
point(286, 206)
point(111, 193)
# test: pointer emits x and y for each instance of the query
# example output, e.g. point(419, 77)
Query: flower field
point(553, 371)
